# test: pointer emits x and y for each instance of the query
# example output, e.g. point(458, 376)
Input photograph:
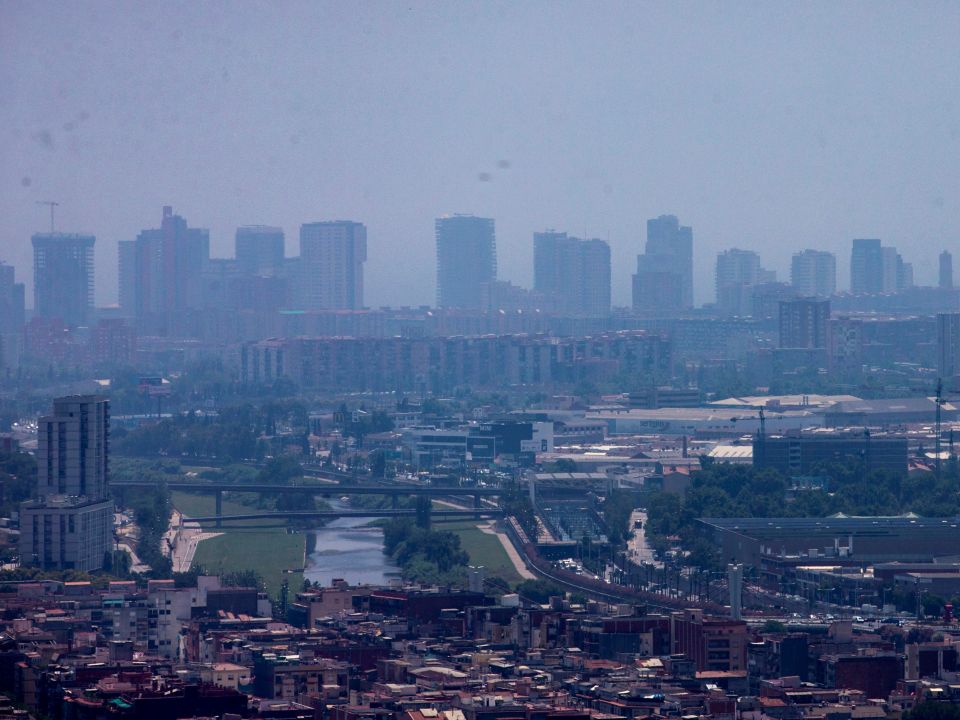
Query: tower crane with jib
point(52, 204)
point(940, 400)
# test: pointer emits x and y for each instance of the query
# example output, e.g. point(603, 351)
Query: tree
point(280, 470)
point(424, 510)
point(932, 710)
point(774, 626)
point(539, 591)
point(378, 463)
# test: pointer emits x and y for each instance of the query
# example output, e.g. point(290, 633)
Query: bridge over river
point(393, 490)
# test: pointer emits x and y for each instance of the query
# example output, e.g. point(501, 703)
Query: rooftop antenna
point(53, 204)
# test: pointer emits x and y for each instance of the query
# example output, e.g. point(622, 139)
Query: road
point(181, 540)
point(637, 548)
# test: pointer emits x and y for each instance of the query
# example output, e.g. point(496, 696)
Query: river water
point(348, 550)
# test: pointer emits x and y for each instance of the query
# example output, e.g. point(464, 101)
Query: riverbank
point(499, 558)
point(485, 548)
point(270, 552)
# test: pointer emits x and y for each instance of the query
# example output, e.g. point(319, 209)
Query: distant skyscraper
point(69, 524)
point(904, 274)
point(877, 269)
point(127, 277)
point(948, 345)
point(813, 273)
point(63, 277)
point(664, 278)
point(169, 263)
point(11, 317)
point(572, 275)
point(331, 265)
point(946, 270)
point(803, 323)
point(891, 269)
point(737, 272)
point(466, 260)
point(866, 266)
point(259, 250)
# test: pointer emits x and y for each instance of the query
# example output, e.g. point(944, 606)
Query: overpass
point(334, 514)
point(324, 489)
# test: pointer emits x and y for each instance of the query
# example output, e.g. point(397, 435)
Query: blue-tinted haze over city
point(765, 126)
point(479, 360)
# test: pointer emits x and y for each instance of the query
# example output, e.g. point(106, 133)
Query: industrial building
point(856, 540)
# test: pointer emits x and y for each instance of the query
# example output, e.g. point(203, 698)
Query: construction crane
point(942, 399)
point(53, 204)
point(939, 401)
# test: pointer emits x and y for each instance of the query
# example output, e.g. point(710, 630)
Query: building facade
point(738, 272)
point(259, 250)
point(466, 260)
point(12, 316)
point(876, 269)
point(800, 454)
point(167, 274)
point(946, 271)
point(442, 364)
point(332, 255)
point(572, 275)
point(63, 277)
point(813, 273)
point(803, 323)
point(69, 523)
point(948, 344)
point(664, 277)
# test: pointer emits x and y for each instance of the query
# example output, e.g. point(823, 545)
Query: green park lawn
point(484, 549)
point(271, 552)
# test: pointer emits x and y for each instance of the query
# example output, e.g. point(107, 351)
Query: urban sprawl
point(241, 493)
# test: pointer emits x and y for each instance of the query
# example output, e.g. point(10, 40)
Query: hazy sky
point(770, 125)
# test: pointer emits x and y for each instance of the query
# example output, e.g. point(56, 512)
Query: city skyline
point(756, 137)
point(843, 280)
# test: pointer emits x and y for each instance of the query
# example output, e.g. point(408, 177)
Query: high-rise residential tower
point(259, 250)
point(63, 277)
point(127, 277)
point(466, 260)
point(737, 273)
point(11, 317)
point(664, 277)
point(331, 265)
point(69, 523)
point(948, 345)
point(572, 275)
point(813, 273)
point(946, 270)
point(866, 266)
point(877, 269)
point(803, 323)
point(167, 275)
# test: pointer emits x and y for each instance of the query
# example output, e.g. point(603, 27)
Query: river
point(348, 550)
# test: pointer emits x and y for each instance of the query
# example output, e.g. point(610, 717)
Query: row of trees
point(425, 555)
point(235, 433)
point(151, 508)
point(18, 475)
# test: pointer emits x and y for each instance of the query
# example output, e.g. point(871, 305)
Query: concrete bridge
point(395, 491)
point(334, 514)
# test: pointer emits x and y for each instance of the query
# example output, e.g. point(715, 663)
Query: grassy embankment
point(268, 551)
point(484, 549)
